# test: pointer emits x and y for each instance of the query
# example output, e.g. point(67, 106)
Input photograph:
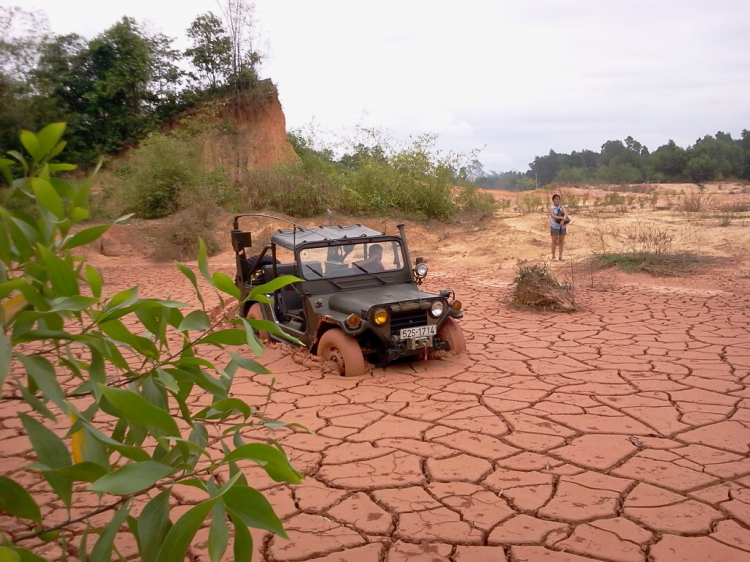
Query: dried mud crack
point(620, 433)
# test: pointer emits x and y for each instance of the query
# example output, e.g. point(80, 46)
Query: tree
point(745, 146)
point(583, 159)
point(211, 53)
point(723, 151)
point(544, 168)
point(668, 162)
point(701, 167)
point(239, 18)
point(21, 35)
point(610, 150)
point(129, 426)
point(165, 85)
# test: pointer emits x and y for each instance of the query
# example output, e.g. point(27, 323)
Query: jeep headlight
point(380, 316)
point(437, 309)
point(421, 270)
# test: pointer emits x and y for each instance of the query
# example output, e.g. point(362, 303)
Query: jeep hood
point(359, 301)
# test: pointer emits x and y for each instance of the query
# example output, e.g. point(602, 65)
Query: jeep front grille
point(409, 319)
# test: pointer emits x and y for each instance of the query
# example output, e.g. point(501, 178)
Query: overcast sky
point(514, 78)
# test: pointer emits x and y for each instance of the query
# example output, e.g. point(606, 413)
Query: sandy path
point(619, 433)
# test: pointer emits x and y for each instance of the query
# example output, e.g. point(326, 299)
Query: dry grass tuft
point(536, 287)
point(177, 238)
point(658, 265)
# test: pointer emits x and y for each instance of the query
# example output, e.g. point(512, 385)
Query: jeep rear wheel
point(343, 352)
point(256, 313)
point(449, 331)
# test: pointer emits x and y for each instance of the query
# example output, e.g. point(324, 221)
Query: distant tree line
point(711, 158)
point(114, 88)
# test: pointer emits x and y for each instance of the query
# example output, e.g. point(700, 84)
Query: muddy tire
point(256, 313)
point(451, 332)
point(343, 352)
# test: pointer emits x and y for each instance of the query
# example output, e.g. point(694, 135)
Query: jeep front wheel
point(256, 313)
point(449, 331)
point(343, 352)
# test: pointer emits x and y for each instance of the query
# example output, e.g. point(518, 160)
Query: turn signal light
point(353, 321)
point(380, 317)
point(456, 305)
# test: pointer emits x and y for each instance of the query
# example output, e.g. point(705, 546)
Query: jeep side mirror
point(241, 240)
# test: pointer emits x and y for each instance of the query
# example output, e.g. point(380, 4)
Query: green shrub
point(472, 200)
point(530, 203)
point(119, 397)
point(294, 190)
point(159, 174)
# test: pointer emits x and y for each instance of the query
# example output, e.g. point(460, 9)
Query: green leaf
point(43, 373)
point(249, 364)
point(122, 299)
point(133, 453)
point(273, 461)
point(118, 332)
point(61, 275)
point(167, 380)
point(86, 236)
point(31, 144)
point(54, 168)
point(102, 551)
point(16, 501)
point(203, 261)
point(193, 362)
point(83, 547)
point(254, 509)
point(27, 555)
point(6, 353)
point(137, 409)
point(273, 286)
point(95, 280)
point(196, 320)
point(72, 304)
point(47, 197)
point(18, 156)
point(82, 472)
point(132, 478)
point(50, 450)
point(49, 137)
point(181, 535)
point(218, 534)
point(252, 342)
point(187, 272)
point(57, 150)
point(243, 540)
point(230, 336)
point(35, 403)
point(8, 554)
point(153, 525)
point(224, 283)
point(224, 407)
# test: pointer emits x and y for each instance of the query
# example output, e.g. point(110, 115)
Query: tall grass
point(165, 174)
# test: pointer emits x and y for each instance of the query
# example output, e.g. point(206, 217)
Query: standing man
point(557, 224)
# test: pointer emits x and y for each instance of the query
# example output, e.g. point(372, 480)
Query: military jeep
point(358, 299)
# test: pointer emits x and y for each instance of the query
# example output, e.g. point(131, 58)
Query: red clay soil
point(619, 433)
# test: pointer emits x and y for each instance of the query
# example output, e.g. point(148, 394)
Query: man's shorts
point(556, 231)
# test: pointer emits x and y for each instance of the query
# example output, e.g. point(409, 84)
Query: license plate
point(418, 332)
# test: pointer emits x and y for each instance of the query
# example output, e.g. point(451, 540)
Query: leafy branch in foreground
point(125, 374)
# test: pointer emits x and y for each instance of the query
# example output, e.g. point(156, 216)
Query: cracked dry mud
point(619, 433)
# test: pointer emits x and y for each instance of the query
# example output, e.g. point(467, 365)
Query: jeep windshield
point(346, 260)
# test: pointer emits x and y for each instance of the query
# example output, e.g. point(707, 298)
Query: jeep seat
point(289, 300)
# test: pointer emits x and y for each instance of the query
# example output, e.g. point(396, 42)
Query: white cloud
point(519, 78)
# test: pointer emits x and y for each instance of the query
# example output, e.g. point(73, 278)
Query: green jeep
point(358, 299)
